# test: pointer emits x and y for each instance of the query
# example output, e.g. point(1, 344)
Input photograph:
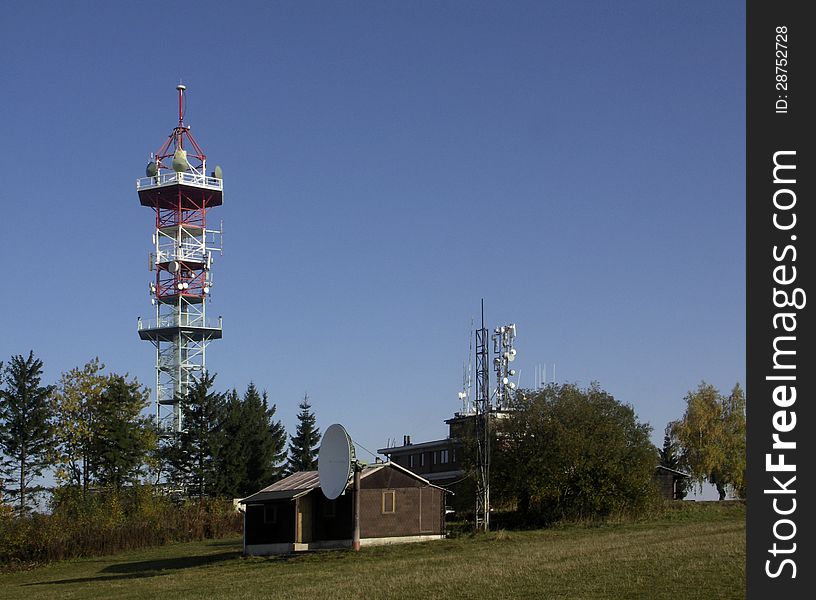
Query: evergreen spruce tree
point(231, 453)
point(277, 435)
point(671, 459)
point(265, 441)
point(193, 457)
point(123, 438)
point(26, 431)
point(668, 454)
point(251, 447)
point(303, 445)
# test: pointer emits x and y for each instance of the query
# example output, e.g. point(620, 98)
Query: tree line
point(564, 452)
point(91, 431)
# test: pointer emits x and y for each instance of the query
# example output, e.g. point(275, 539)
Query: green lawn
point(694, 552)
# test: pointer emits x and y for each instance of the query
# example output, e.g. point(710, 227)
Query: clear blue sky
point(580, 165)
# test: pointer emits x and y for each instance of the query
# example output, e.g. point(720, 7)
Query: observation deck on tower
point(184, 191)
point(166, 328)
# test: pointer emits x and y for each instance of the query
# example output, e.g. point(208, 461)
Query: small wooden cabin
point(671, 482)
point(292, 514)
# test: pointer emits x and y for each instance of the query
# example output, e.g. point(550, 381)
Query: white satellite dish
point(335, 461)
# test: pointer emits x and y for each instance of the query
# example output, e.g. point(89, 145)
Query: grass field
point(695, 551)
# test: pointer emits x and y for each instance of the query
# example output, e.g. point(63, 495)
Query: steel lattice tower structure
point(180, 192)
point(482, 425)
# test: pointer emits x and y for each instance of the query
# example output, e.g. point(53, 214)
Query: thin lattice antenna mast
point(482, 427)
point(467, 377)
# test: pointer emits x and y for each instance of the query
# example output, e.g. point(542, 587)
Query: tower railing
point(195, 179)
point(183, 320)
point(188, 252)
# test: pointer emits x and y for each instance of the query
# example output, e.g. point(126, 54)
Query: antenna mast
point(482, 422)
point(178, 189)
point(467, 377)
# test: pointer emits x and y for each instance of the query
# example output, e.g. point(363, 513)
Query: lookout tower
point(180, 191)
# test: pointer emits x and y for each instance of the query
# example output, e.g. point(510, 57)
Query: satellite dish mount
point(337, 466)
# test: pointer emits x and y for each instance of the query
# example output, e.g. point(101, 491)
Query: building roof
point(301, 483)
point(443, 443)
point(454, 474)
point(675, 471)
point(293, 486)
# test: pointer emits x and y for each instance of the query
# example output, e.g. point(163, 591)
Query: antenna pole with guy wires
point(181, 192)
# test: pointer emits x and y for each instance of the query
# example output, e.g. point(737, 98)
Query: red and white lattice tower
point(180, 192)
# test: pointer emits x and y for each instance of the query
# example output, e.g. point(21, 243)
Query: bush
point(107, 522)
point(571, 454)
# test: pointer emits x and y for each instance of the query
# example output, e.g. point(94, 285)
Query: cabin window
point(270, 514)
point(389, 502)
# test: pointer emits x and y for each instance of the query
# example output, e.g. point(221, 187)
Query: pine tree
point(303, 445)
point(123, 438)
point(231, 453)
point(265, 440)
point(671, 459)
point(252, 445)
point(193, 456)
point(26, 431)
point(668, 454)
point(277, 436)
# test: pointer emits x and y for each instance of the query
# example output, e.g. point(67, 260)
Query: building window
point(422, 459)
point(443, 456)
point(329, 508)
point(435, 457)
point(270, 514)
point(411, 460)
point(453, 454)
point(389, 502)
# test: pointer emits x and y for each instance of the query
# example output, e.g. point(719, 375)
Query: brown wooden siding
point(417, 510)
point(389, 478)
